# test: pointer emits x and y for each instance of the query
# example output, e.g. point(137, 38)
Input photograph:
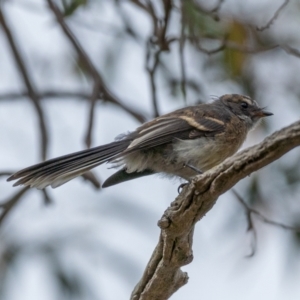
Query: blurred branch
point(247, 49)
point(149, 8)
point(212, 12)
point(93, 98)
point(181, 55)
point(157, 43)
point(129, 29)
point(291, 50)
point(65, 94)
point(163, 275)
point(251, 211)
point(151, 69)
point(47, 94)
point(91, 177)
point(217, 7)
point(100, 87)
point(8, 205)
point(47, 199)
point(5, 173)
point(275, 16)
point(140, 4)
point(225, 44)
point(32, 93)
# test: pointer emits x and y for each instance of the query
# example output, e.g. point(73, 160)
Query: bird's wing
point(164, 130)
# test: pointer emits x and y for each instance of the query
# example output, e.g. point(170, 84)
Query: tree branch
point(11, 96)
point(5, 173)
point(9, 204)
point(32, 93)
point(163, 276)
point(151, 69)
point(157, 44)
point(251, 211)
point(275, 16)
point(100, 87)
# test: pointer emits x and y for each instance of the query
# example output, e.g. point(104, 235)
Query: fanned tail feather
point(60, 170)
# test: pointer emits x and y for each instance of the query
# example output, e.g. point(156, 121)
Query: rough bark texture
point(163, 275)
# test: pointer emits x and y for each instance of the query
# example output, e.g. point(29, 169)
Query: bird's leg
point(193, 168)
point(181, 186)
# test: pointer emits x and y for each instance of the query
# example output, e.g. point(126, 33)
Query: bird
point(182, 143)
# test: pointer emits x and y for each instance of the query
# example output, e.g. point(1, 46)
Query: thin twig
point(64, 94)
point(217, 7)
point(213, 13)
point(164, 28)
point(6, 173)
point(92, 178)
point(155, 21)
point(32, 93)
point(127, 26)
point(67, 94)
point(94, 97)
point(291, 50)
point(225, 44)
point(47, 199)
point(249, 50)
point(8, 205)
point(140, 5)
point(275, 16)
point(46, 94)
point(251, 211)
point(261, 216)
point(157, 44)
point(181, 56)
point(152, 62)
point(103, 91)
point(98, 82)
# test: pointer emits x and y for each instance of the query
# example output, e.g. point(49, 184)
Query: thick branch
point(163, 276)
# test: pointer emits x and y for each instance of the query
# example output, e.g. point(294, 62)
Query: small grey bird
point(180, 143)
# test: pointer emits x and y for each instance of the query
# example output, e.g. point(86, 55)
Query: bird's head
point(244, 108)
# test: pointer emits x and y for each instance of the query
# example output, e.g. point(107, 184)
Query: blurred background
point(75, 74)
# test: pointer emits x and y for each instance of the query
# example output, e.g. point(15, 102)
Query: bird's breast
point(207, 152)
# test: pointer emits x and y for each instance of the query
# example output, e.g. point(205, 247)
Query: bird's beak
point(262, 113)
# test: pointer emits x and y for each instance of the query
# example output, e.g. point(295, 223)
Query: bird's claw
point(181, 186)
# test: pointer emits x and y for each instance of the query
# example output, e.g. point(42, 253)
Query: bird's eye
point(244, 105)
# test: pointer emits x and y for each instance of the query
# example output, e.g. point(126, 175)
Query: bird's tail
point(60, 170)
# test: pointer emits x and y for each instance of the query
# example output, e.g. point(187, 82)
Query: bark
point(163, 276)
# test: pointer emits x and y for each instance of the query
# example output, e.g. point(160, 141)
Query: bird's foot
point(179, 189)
point(181, 186)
